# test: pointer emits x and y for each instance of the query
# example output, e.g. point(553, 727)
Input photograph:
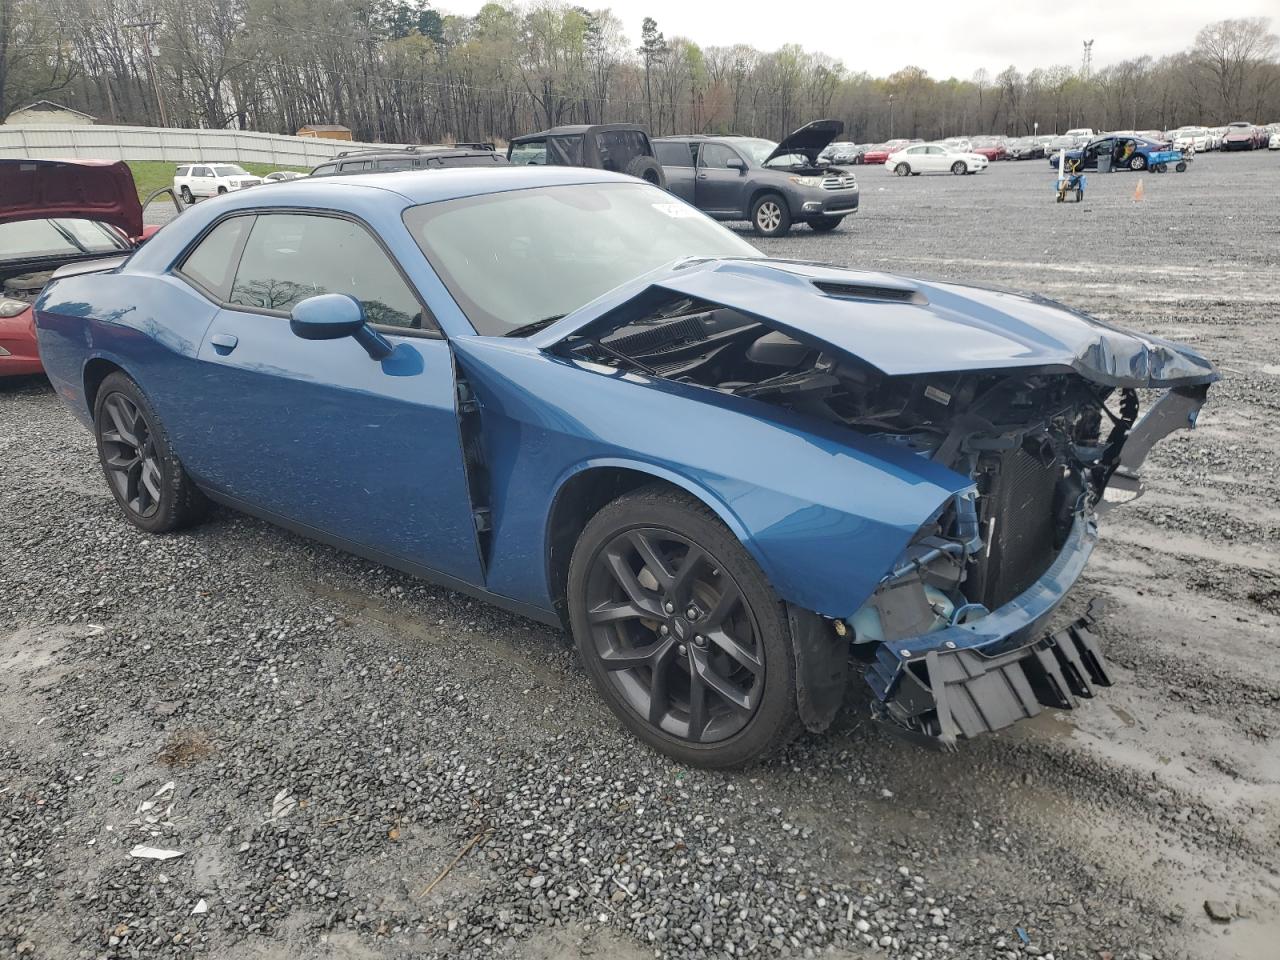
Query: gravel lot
point(338, 735)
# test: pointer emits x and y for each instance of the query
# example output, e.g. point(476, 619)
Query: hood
point(905, 327)
point(100, 190)
point(810, 140)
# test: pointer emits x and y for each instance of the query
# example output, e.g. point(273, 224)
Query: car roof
point(577, 129)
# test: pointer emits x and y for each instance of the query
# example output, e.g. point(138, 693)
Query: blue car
point(731, 478)
point(1126, 152)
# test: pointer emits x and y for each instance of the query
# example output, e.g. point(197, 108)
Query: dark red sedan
point(55, 212)
point(992, 148)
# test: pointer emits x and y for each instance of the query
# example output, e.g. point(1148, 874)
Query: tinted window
point(618, 148)
point(212, 263)
point(181, 171)
point(63, 237)
point(397, 163)
point(200, 171)
point(324, 170)
point(565, 151)
point(230, 170)
point(356, 166)
point(290, 257)
point(674, 154)
point(716, 155)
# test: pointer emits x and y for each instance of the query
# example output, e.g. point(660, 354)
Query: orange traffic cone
point(1139, 192)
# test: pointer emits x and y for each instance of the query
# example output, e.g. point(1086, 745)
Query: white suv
point(193, 180)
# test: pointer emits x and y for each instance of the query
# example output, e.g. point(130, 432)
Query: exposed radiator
point(1017, 494)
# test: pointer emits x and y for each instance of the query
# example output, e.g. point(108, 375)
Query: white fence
point(57, 141)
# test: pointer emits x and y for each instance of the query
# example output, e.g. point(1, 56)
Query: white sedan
point(1274, 142)
point(1192, 140)
point(934, 158)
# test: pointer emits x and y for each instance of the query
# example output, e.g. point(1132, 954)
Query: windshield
point(64, 237)
point(523, 256)
point(757, 149)
point(230, 170)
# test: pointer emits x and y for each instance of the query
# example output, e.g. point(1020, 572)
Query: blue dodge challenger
point(734, 480)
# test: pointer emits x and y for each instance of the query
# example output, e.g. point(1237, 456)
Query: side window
point(673, 154)
point(325, 170)
point(213, 262)
point(617, 148)
point(290, 257)
point(397, 163)
point(356, 166)
point(181, 171)
point(716, 155)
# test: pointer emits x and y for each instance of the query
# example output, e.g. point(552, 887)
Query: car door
point(676, 158)
point(718, 188)
point(316, 432)
point(1096, 149)
point(935, 159)
point(203, 182)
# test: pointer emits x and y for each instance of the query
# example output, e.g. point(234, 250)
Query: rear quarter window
point(181, 171)
point(212, 263)
point(674, 154)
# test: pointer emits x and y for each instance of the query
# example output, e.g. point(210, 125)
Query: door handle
point(224, 343)
point(702, 176)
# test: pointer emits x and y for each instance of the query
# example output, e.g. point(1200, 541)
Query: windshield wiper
point(525, 329)
point(68, 236)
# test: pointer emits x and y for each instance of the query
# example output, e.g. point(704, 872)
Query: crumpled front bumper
point(977, 677)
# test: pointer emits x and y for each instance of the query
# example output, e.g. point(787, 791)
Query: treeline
point(400, 71)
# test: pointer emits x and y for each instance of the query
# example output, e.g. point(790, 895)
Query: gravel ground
point(355, 764)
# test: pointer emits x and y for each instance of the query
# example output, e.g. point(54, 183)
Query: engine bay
point(1038, 446)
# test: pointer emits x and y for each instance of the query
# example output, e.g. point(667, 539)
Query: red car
point(879, 154)
point(55, 212)
point(990, 148)
point(1243, 136)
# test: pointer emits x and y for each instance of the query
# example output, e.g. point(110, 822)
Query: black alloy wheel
point(145, 477)
point(680, 631)
point(129, 456)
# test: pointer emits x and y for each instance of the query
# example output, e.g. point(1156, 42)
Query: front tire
point(959, 168)
point(221, 191)
point(1138, 162)
point(824, 224)
point(680, 631)
point(902, 170)
point(144, 475)
point(770, 216)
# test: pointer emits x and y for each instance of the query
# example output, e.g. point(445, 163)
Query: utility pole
point(150, 27)
point(891, 116)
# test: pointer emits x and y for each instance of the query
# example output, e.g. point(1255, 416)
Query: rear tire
point(697, 660)
point(770, 216)
point(143, 473)
point(187, 198)
point(649, 170)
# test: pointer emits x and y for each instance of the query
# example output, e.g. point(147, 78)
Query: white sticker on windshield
point(676, 211)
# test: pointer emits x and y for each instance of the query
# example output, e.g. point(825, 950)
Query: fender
point(824, 511)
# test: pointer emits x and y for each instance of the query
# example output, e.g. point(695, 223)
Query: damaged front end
point(1037, 407)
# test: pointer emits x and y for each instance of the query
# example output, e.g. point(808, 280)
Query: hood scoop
point(866, 291)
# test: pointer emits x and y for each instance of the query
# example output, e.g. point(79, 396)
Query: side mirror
point(332, 316)
point(736, 164)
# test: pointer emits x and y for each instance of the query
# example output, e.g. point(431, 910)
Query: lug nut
point(699, 641)
point(692, 613)
point(669, 607)
point(664, 630)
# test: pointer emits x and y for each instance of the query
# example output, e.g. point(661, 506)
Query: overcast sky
point(944, 37)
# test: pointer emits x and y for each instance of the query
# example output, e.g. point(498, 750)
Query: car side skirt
point(544, 616)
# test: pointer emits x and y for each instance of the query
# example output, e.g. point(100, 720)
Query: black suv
point(408, 158)
point(770, 184)
point(620, 147)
